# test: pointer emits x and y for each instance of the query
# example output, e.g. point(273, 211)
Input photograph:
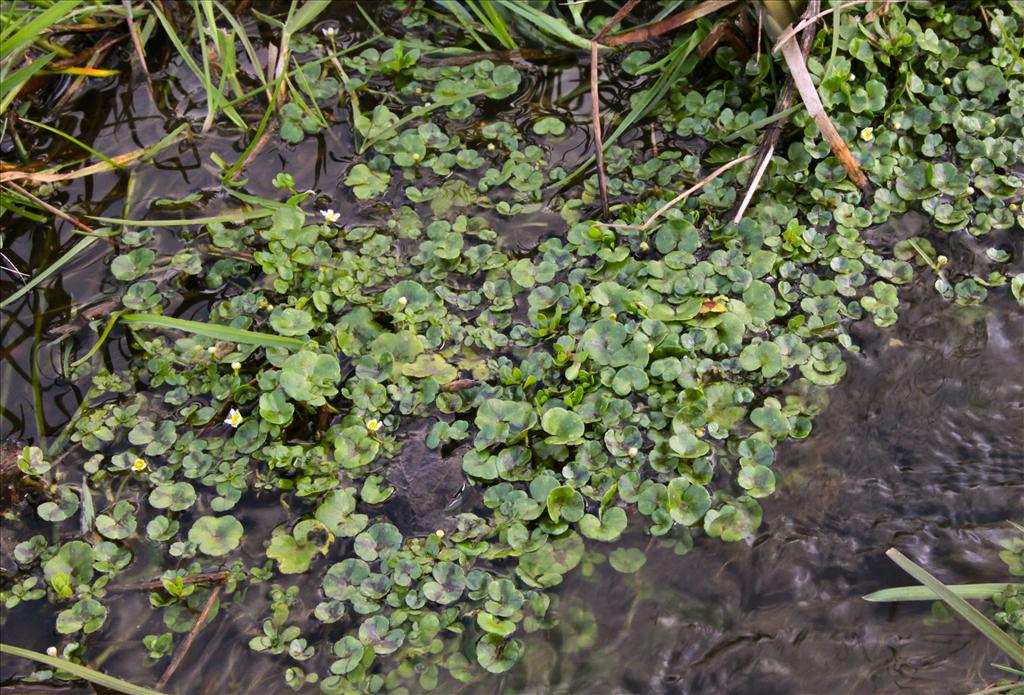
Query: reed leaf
point(82, 245)
point(79, 671)
point(923, 593)
point(968, 612)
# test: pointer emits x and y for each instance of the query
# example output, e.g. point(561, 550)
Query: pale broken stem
point(685, 194)
point(803, 24)
point(595, 115)
point(802, 80)
point(754, 182)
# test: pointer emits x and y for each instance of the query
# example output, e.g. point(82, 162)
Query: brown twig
point(179, 655)
point(774, 132)
point(84, 28)
point(618, 17)
point(159, 584)
point(49, 208)
point(459, 385)
point(723, 30)
point(685, 194)
point(595, 100)
point(137, 42)
point(666, 25)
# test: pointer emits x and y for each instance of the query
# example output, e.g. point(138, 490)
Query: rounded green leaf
point(216, 535)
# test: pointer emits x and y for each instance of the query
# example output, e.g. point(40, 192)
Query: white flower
point(234, 418)
point(633, 451)
point(236, 365)
point(439, 533)
point(330, 216)
point(970, 190)
point(51, 651)
point(946, 81)
point(402, 301)
point(867, 134)
point(139, 464)
point(330, 31)
point(373, 424)
point(212, 349)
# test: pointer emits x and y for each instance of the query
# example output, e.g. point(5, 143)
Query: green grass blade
point(465, 21)
point(553, 26)
point(10, 86)
point(968, 612)
point(31, 31)
point(923, 593)
point(487, 14)
point(99, 342)
point(232, 217)
point(82, 245)
point(766, 121)
point(79, 671)
point(309, 11)
point(212, 330)
point(74, 140)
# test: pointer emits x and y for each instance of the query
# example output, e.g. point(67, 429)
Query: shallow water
point(921, 448)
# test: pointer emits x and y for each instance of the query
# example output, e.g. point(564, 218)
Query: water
point(921, 448)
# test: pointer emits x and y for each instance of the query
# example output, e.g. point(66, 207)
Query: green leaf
point(966, 611)
point(627, 560)
point(78, 670)
point(215, 535)
point(563, 426)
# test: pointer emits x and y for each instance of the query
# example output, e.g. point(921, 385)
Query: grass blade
point(231, 217)
point(546, 23)
point(79, 671)
point(212, 330)
point(968, 612)
point(923, 593)
point(82, 245)
point(11, 86)
point(73, 140)
point(31, 31)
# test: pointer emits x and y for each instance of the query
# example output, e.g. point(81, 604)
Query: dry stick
point(804, 23)
point(137, 42)
point(49, 208)
point(802, 79)
point(692, 189)
point(595, 101)
point(179, 655)
point(618, 17)
point(666, 25)
point(774, 132)
point(158, 583)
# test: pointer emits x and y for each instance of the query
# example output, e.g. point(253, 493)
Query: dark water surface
point(921, 448)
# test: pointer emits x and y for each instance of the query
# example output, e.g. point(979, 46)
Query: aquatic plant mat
point(374, 375)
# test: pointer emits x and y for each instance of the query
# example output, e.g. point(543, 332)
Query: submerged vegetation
point(460, 292)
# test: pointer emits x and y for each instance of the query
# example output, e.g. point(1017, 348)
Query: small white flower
point(946, 81)
point(139, 464)
point(330, 216)
point(633, 451)
point(970, 190)
point(51, 651)
point(236, 365)
point(269, 308)
point(234, 418)
point(330, 31)
point(374, 424)
point(490, 145)
point(439, 533)
point(402, 301)
point(650, 348)
point(941, 261)
point(212, 349)
point(867, 134)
